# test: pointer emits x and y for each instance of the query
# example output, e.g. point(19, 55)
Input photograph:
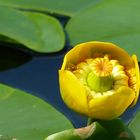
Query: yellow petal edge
point(75, 94)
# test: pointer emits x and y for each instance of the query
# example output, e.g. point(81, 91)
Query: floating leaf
point(135, 125)
point(26, 117)
point(38, 32)
point(114, 21)
point(63, 7)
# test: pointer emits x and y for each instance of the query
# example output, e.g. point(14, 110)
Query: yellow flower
point(99, 80)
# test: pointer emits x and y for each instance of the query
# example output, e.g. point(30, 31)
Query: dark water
point(38, 75)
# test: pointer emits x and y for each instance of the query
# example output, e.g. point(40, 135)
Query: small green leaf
point(117, 129)
point(25, 117)
point(114, 21)
point(92, 132)
point(36, 31)
point(135, 125)
point(99, 133)
point(98, 130)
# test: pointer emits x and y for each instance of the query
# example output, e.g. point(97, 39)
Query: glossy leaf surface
point(98, 130)
point(113, 21)
point(63, 7)
point(135, 125)
point(26, 117)
point(38, 32)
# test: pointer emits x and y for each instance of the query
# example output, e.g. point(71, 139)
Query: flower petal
point(109, 107)
point(73, 92)
point(77, 54)
point(97, 49)
point(134, 57)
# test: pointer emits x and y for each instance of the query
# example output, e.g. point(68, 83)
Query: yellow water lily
point(99, 80)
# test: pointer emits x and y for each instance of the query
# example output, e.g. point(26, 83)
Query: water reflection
point(11, 58)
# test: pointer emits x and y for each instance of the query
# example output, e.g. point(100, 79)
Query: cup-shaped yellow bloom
point(99, 80)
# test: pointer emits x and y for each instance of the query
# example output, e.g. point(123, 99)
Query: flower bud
point(99, 80)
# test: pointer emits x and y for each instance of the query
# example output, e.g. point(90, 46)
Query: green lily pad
point(26, 117)
point(135, 125)
point(38, 32)
point(63, 7)
point(114, 21)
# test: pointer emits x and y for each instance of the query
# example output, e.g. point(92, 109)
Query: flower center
point(102, 67)
point(100, 78)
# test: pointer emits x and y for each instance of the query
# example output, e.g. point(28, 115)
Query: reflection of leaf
point(38, 32)
point(6, 39)
point(25, 117)
point(10, 58)
point(63, 7)
point(114, 21)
